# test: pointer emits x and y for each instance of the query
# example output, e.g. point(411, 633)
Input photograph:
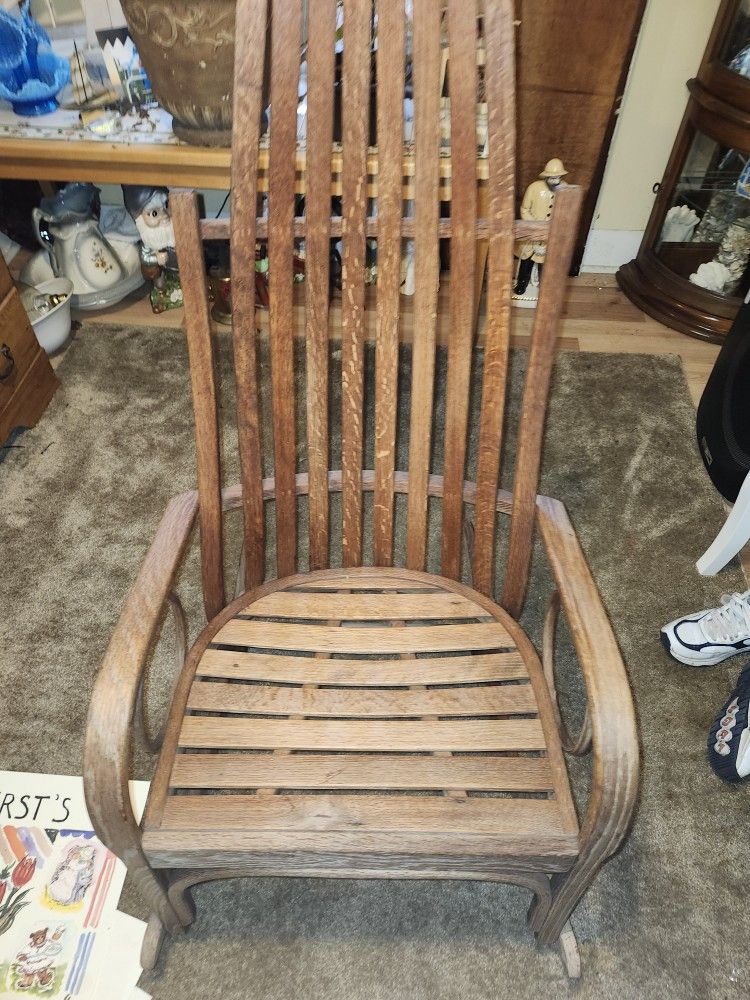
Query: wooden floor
point(598, 317)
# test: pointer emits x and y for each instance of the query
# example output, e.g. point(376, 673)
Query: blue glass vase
point(31, 74)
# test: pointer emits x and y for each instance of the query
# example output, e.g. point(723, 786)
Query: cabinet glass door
point(735, 51)
point(705, 235)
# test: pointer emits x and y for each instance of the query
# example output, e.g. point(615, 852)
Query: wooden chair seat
point(373, 713)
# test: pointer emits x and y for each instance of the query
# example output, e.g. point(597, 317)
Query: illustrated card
point(59, 888)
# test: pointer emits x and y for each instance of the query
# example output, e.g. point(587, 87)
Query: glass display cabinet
point(693, 267)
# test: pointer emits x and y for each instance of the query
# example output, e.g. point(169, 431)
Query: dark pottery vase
point(187, 49)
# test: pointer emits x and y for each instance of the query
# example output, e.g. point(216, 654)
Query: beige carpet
point(82, 494)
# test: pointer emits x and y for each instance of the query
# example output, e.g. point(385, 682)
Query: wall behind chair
point(670, 46)
point(102, 14)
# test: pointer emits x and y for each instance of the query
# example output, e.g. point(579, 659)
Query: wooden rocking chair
point(368, 720)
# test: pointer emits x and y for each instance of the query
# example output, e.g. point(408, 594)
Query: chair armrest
point(108, 753)
point(616, 761)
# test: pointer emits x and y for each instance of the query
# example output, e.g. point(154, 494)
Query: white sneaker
point(708, 637)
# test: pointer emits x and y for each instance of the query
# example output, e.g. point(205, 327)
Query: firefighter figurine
point(536, 207)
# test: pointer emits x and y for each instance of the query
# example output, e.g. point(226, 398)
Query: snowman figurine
point(149, 208)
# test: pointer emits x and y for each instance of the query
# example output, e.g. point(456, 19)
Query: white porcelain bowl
point(51, 324)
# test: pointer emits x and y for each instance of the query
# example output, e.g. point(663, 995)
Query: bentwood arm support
point(614, 738)
point(108, 751)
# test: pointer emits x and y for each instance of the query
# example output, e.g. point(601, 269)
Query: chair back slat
point(249, 63)
point(355, 105)
point(285, 64)
point(184, 209)
point(535, 394)
point(426, 83)
point(499, 80)
point(418, 195)
point(462, 88)
point(320, 84)
point(390, 134)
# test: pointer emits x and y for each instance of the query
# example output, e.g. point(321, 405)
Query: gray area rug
point(82, 495)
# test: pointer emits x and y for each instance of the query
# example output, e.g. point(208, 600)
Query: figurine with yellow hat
point(536, 207)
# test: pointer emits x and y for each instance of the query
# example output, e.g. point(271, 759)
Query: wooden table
point(114, 162)
point(176, 165)
point(196, 167)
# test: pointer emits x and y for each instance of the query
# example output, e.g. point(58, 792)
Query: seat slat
point(305, 734)
point(361, 771)
point(365, 814)
point(360, 673)
point(361, 639)
point(352, 607)
point(213, 696)
point(360, 582)
point(351, 853)
point(285, 63)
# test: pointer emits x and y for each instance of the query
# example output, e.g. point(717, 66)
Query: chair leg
point(181, 899)
point(175, 914)
point(153, 888)
point(567, 890)
point(569, 953)
point(152, 942)
point(539, 912)
point(539, 907)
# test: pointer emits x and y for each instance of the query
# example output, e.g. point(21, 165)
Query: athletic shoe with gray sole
point(708, 637)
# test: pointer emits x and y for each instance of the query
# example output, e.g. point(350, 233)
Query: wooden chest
point(27, 382)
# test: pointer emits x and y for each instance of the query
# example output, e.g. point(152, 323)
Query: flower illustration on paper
point(14, 877)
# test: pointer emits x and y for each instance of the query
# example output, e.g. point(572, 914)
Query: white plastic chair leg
point(731, 538)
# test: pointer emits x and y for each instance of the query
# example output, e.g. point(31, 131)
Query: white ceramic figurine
point(149, 207)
